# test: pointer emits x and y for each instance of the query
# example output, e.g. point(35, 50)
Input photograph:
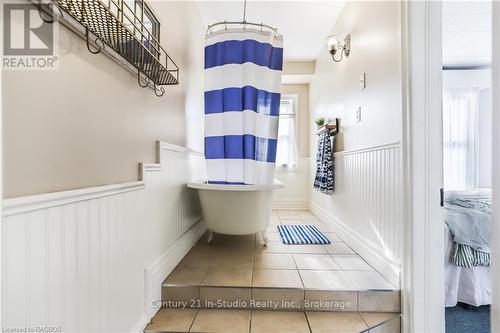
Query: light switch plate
point(358, 114)
point(362, 81)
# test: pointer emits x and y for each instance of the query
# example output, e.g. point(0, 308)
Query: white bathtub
point(236, 209)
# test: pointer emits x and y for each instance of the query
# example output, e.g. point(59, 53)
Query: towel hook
point(96, 42)
point(160, 89)
point(39, 7)
point(146, 80)
point(40, 11)
point(331, 131)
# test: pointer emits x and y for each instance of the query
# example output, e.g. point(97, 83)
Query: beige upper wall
point(375, 28)
point(89, 123)
point(299, 67)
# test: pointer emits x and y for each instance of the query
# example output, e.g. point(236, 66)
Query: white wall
point(467, 78)
point(93, 260)
point(366, 205)
point(375, 50)
point(89, 123)
point(296, 193)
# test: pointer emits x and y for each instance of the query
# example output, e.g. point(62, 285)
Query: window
point(152, 25)
point(145, 26)
point(460, 151)
point(286, 154)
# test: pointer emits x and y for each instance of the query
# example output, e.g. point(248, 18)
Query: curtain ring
point(261, 26)
point(225, 25)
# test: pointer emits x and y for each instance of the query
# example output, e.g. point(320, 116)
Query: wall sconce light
point(336, 44)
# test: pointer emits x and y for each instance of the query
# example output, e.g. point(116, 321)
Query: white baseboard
point(290, 204)
point(383, 263)
point(141, 324)
point(158, 272)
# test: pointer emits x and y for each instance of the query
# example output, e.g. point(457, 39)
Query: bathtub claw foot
point(264, 237)
point(210, 237)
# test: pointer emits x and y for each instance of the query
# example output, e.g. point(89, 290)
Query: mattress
point(466, 285)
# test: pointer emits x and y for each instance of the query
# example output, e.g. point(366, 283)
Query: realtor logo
point(28, 41)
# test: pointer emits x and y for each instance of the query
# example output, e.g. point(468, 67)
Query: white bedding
point(467, 285)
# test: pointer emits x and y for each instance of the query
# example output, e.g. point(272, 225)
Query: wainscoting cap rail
point(161, 145)
point(144, 168)
point(36, 202)
point(362, 150)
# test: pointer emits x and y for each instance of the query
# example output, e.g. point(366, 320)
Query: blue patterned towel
point(325, 166)
point(301, 234)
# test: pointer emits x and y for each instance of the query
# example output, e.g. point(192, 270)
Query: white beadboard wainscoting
point(92, 260)
point(366, 207)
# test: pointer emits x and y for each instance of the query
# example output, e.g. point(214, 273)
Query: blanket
point(471, 230)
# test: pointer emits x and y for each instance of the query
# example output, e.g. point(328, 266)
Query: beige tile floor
point(252, 321)
point(242, 268)
point(244, 261)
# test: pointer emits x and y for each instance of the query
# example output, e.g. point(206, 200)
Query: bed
point(466, 285)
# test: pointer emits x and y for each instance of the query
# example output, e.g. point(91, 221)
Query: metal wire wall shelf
point(113, 24)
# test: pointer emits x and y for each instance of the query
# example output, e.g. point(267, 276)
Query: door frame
point(495, 248)
point(422, 278)
point(423, 271)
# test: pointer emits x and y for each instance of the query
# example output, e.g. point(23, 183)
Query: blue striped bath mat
point(301, 234)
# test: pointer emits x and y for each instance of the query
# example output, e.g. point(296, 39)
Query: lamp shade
point(332, 43)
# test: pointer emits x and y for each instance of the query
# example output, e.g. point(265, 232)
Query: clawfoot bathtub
point(236, 209)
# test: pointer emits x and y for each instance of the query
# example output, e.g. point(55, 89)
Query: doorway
point(423, 278)
point(467, 164)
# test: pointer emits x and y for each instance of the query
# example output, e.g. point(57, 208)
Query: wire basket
point(115, 25)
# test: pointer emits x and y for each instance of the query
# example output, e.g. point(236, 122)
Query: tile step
point(217, 297)
point(251, 321)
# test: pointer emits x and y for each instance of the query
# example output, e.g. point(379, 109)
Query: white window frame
point(295, 106)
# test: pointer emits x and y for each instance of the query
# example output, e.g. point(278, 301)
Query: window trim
point(153, 18)
point(295, 107)
point(134, 6)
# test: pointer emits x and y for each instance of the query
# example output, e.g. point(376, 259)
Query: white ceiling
point(466, 33)
point(303, 24)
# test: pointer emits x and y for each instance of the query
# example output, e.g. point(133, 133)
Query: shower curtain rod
point(243, 22)
point(261, 25)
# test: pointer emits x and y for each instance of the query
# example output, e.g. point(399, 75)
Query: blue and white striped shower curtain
point(242, 102)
